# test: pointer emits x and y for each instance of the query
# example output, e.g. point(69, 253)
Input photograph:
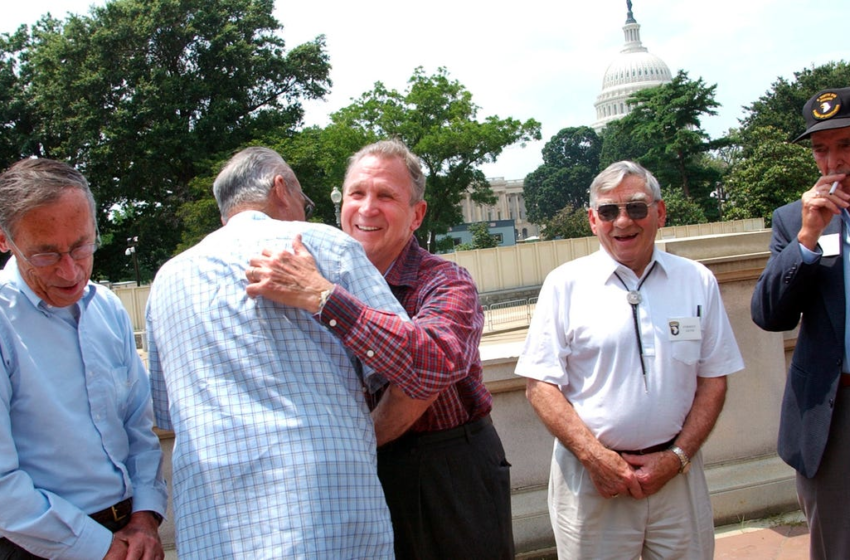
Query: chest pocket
point(686, 351)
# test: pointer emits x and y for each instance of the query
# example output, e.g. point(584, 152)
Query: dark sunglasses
point(309, 206)
point(635, 210)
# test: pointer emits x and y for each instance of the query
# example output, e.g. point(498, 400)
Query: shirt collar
point(608, 266)
point(405, 268)
point(13, 275)
point(248, 216)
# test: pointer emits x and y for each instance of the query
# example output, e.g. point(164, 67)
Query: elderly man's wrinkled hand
point(287, 277)
point(613, 477)
point(653, 470)
point(139, 540)
point(820, 204)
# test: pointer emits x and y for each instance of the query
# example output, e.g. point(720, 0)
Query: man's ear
point(4, 243)
point(419, 210)
point(591, 217)
point(280, 191)
point(662, 213)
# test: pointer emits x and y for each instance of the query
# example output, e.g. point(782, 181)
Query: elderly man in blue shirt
point(80, 466)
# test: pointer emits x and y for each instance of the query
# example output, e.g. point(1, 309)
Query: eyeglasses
point(635, 210)
point(41, 260)
point(309, 206)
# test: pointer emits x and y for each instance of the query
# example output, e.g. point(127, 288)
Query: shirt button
point(332, 322)
point(370, 354)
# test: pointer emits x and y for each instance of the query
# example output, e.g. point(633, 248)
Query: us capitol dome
point(634, 69)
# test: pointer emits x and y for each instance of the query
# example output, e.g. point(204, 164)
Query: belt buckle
point(115, 516)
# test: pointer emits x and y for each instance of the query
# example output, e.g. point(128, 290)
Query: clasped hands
point(637, 476)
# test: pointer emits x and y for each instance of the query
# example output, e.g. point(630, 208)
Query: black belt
point(119, 513)
point(648, 450)
point(465, 431)
point(113, 518)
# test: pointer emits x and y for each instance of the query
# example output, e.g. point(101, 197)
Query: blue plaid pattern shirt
point(274, 452)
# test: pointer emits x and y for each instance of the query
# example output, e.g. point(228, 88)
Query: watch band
point(323, 299)
point(683, 458)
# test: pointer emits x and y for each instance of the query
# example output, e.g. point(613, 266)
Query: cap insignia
point(826, 106)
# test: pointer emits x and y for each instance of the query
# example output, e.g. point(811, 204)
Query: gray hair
point(248, 177)
point(35, 182)
point(395, 148)
point(614, 174)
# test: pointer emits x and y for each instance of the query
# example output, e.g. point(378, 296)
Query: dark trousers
point(449, 494)
point(824, 498)
point(11, 551)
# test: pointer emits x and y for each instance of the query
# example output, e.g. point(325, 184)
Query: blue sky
point(545, 60)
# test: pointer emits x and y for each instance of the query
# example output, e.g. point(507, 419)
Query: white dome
point(634, 69)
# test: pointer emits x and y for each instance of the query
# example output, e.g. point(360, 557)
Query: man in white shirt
point(626, 360)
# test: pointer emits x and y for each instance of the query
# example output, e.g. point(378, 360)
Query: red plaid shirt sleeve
point(435, 353)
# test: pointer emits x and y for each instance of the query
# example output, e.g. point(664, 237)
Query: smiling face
point(376, 208)
point(629, 241)
point(57, 227)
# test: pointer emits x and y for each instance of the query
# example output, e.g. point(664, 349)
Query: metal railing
point(509, 314)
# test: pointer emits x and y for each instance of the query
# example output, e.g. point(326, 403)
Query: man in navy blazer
point(808, 275)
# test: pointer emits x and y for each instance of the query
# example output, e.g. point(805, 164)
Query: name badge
point(684, 328)
point(829, 245)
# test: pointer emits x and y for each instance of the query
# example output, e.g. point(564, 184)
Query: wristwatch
point(323, 298)
point(683, 459)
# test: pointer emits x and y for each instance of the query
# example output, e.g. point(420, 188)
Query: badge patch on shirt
point(684, 328)
point(829, 245)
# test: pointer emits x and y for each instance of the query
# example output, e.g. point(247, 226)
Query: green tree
point(681, 211)
point(775, 173)
point(665, 125)
point(569, 222)
point(144, 95)
point(781, 107)
point(766, 170)
point(619, 143)
point(437, 119)
point(570, 162)
point(481, 236)
point(16, 114)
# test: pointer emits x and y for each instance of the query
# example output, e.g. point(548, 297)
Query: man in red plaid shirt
point(440, 460)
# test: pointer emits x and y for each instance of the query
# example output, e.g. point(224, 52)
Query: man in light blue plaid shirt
point(274, 454)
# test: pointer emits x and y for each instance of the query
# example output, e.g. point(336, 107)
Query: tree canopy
point(767, 170)
point(570, 162)
point(481, 238)
point(437, 119)
point(144, 95)
point(664, 134)
point(567, 223)
point(775, 173)
point(781, 106)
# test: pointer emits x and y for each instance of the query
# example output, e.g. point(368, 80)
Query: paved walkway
point(776, 539)
point(786, 538)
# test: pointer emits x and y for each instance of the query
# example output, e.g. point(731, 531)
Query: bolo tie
point(634, 298)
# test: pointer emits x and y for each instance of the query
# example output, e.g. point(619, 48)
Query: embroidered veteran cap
point(828, 109)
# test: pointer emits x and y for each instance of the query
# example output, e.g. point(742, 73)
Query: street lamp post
point(131, 250)
point(720, 194)
point(336, 198)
